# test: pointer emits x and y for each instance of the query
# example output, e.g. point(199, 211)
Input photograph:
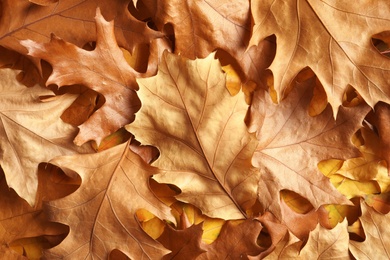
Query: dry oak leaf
point(188, 114)
point(322, 244)
point(104, 70)
point(377, 242)
point(237, 240)
point(333, 38)
point(31, 132)
point(72, 20)
point(19, 220)
point(291, 144)
point(184, 244)
point(201, 27)
point(102, 212)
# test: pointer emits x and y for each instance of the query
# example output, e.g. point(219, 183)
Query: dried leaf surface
point(184, 244)
point(377, 242)
point(201, 27)
point(236, 241)
point(71, 20)
point(19, 220)
point(291, 144)
point(31, 132)
point(333, 38)
point(104, 70)
point(206, 150)
point(101, 213)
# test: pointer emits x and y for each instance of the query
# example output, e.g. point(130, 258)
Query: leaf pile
point(164, 129)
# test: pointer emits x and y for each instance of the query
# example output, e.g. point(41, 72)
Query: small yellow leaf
point(296, 202)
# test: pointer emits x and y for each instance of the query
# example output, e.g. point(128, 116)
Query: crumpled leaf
point(72, 20)
point(333, 38)
point(292, 143)
point(188, 114)
point(31, 132)
point(377, 242)
point(101, 213)
point(104, 70)
point(201, 27)
point(236, 241)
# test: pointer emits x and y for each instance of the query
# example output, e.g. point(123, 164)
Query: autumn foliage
point(167, 129)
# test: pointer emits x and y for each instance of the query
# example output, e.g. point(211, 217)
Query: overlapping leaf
point(101, 213)
point(71, 20)
point(291, 144)
point(188, 114)
point(377, 240)
point(31, 132)
point(333, 38)
point(104, 70)
point(201, 27)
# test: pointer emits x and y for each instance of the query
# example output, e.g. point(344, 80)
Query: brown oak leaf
point(31, 132)
point(19, 221)
point(206, 150)
point(237, 240)
point(101, 213)
point(184, 244)
point(104, 70)
point(377, 238)
point(201, 27)
point(292, 143)
point(333, 38)
point(72, 20)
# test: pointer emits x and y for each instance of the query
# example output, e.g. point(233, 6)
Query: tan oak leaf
point(292, 143)
point(331, 37)
point(31, 132)
point(102, 212)
point(206, 150)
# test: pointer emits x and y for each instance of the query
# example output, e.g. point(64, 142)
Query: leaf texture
point(101, 213)
point(104, 70)
point(31, 132)
point(291, 144)
point(188, 114)
point(333, 38)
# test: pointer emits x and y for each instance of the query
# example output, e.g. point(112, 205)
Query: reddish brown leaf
point(104, 70)
point(184, 244)
point(237, 240)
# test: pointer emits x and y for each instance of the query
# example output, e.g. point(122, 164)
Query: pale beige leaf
point(331, 37)
point(199, 129)
point(31, 132)
point(102, 212)
point(377, 242)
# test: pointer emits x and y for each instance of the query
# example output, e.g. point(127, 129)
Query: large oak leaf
point(333, 38)
point(31, 132)
point(188, 114)
point(104, 70)
point(101, 213)
point(377, 238)
point(292, 143)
